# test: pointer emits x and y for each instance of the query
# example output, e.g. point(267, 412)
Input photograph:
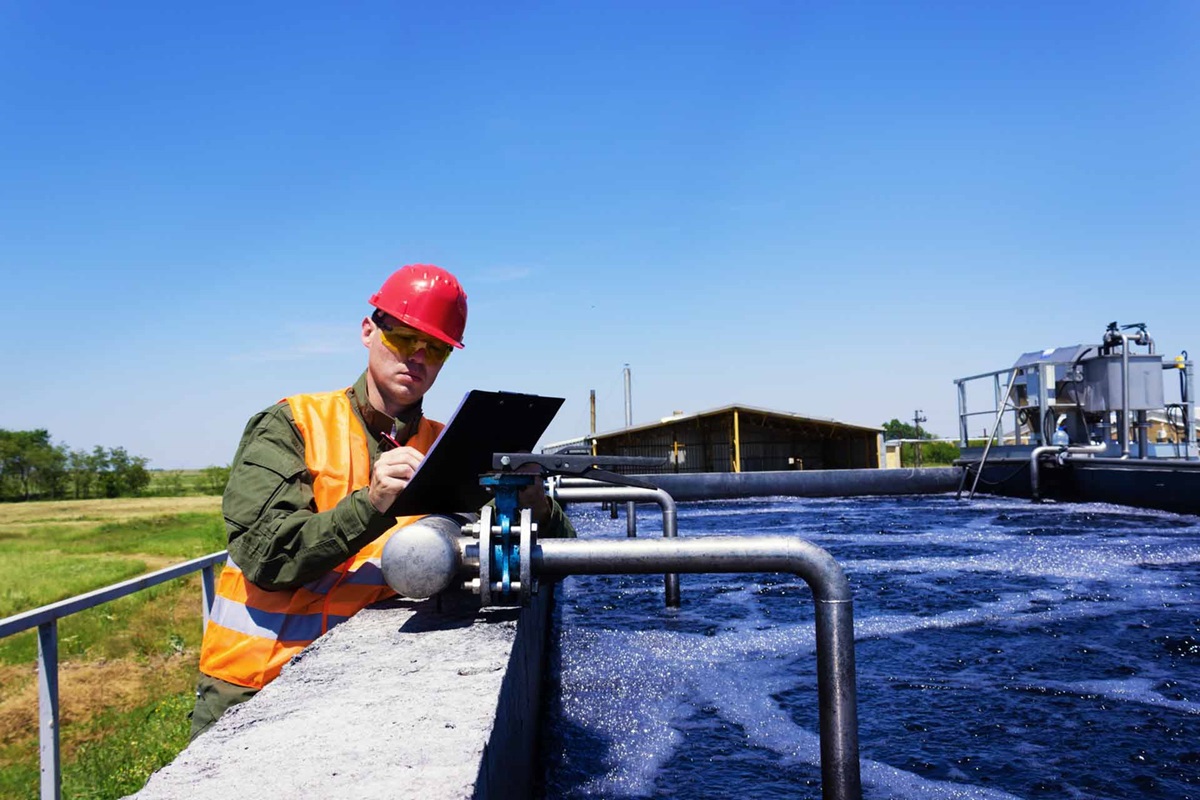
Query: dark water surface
point(1004, 650)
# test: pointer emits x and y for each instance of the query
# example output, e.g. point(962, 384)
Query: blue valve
point(506, 487)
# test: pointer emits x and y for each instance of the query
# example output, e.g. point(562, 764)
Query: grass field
point(127, 667)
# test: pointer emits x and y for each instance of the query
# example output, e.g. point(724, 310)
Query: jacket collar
point(377, 423)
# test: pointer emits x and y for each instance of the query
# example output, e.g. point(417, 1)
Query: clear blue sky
point(826, 208)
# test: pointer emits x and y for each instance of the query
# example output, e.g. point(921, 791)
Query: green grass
point(29, 579)
point(53, 563)
point(126, 664)
point(180, 535)
point(133, 745)
point(179, 483)
point(118, 752)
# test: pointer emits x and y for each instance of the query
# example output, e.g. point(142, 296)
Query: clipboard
point(484, 423)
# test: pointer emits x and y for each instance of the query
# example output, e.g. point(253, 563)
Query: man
point(306, 507)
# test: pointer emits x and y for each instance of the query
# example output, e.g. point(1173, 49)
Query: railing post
point(51, 767)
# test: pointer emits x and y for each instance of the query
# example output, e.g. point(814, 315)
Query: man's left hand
point(534, 498)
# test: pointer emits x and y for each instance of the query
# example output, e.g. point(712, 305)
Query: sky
point(827, 208)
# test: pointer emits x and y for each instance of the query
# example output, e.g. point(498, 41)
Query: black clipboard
point(484, 423)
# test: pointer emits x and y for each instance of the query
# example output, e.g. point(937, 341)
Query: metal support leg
point(631, 519)
point(51, 766)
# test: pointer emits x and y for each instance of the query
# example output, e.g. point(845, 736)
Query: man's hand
point(390, 475)
point(534, 498)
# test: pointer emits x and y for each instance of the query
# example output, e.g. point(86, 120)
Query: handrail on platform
point(46, 618)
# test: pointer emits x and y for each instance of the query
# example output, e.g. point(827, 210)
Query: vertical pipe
point(837, 704)
point(1044, 372)
point(1016, 416)
point(737, 444)
point(630, 508)
point(1189, 408)
point(962, 410)
point(1123, 417)
point(670, 531)
point(1143, 434)
point(207, 592)
point(51, 766)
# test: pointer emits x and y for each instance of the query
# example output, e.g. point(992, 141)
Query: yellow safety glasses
point(404, 341)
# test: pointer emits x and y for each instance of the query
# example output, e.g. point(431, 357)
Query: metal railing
point(46, 618)
point(581, 490)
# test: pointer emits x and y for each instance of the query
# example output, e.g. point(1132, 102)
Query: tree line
point(932, 453)
point(32, 467)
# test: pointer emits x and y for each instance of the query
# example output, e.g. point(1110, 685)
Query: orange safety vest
point(253, 632)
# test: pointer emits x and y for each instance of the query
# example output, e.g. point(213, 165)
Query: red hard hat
point(426, 298)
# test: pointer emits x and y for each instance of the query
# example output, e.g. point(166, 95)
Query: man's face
point(402, 363)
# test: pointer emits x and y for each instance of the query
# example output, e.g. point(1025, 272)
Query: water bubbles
point(1004, 650)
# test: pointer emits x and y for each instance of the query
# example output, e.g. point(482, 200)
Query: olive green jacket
point(276, 536)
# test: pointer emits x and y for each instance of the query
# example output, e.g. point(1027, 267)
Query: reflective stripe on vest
point(253, 632)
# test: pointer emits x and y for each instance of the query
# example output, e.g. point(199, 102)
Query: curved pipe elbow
point(820, 570)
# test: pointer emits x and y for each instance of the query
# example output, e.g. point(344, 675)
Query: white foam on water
point(637, 689)
point(1133, 690)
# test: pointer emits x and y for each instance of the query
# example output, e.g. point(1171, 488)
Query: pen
point(391, 437)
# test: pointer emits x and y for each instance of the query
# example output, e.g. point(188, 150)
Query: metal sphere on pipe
point(423, 558)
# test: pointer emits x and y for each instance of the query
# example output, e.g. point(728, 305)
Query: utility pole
point(628, 397)
point(918, 418)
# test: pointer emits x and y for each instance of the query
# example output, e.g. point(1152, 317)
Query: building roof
point(712, 412)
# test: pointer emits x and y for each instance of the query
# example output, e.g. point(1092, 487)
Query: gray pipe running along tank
point(431, 554)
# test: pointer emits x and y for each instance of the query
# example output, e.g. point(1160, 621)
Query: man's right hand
point(390, 475)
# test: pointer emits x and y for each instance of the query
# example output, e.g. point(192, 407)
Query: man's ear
point(368, 328)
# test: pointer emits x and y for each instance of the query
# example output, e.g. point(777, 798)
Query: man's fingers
point(391, 473)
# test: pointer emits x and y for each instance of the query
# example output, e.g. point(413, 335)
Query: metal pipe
point(1189, 405)
point(1143, 427)
point(1142, 338)
point(962, 413)
point(1072, 450)
point(582, 490)
point(1124, 432)
point(1045, 373)
point(1037, 453)
point(687, 486)
point(837, 694)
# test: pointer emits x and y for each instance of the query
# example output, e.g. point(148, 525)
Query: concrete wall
point(403, 701)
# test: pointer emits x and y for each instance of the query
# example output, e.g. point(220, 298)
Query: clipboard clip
point(579, 466)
